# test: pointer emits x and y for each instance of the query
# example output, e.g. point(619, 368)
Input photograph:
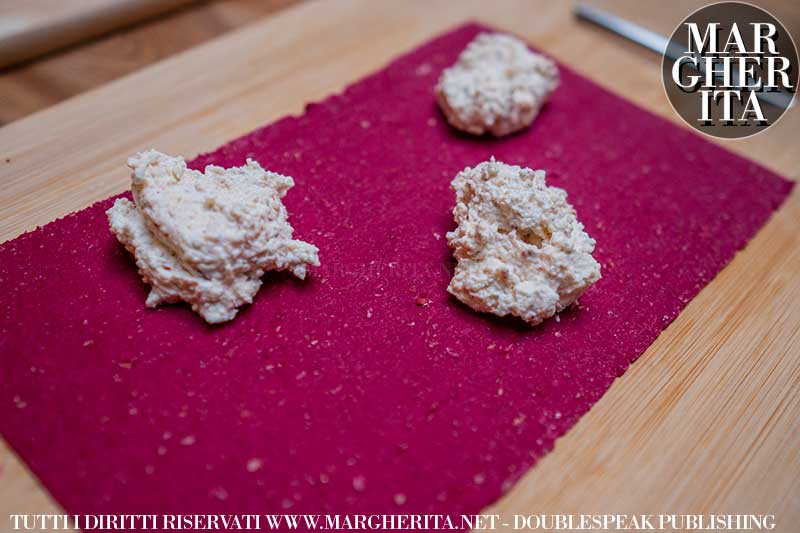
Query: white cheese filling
point(207, 238)
point(496, 86)
point(520, 248)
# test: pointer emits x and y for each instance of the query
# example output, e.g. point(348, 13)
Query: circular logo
point(730, 70)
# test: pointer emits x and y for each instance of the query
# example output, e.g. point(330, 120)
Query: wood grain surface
point(61, 74)
point(34, 27)
point(706, 421)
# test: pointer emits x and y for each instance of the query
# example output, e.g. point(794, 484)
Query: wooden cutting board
point(30, 28)
point(704, 422)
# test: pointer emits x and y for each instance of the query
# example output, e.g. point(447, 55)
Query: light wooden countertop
point(93, 61)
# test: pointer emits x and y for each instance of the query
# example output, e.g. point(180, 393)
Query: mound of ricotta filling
point(496, 86)
point(206, 238)
point(520, 248)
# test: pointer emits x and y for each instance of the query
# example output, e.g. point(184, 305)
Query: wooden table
point(48, 80)
point(706, 421)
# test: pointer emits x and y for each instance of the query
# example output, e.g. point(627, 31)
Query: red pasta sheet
point(365, 388)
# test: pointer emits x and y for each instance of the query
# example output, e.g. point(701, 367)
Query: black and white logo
point(730, 70)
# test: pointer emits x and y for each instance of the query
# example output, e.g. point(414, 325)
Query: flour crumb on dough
point(497, 85)
point(207, 238)
point(520, 248)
